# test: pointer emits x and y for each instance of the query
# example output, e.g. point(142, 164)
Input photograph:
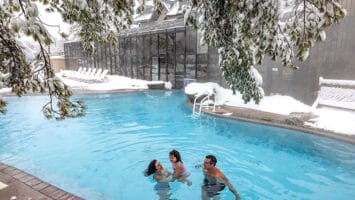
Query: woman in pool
point(161, 175)
point(180, 172)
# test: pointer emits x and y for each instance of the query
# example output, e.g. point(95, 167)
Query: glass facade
point(171, 53)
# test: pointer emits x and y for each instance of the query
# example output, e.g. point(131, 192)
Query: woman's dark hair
point(176, 154)
point(213, 159)
point(151, 168)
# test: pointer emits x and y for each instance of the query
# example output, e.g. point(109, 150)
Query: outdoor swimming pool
point(103, 155)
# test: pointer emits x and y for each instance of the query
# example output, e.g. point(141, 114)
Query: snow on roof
point(57, 57)
point(337, 82)
point(175, 9)
point(143, 17)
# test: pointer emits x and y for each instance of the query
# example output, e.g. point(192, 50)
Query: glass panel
point(155, 67)
point(128, 46)
point(190, 41)
point(140, 64)
point(171, 58)
point(162, 57)
point(121, 60)
point(202, 61)
point(201, 48)
point(154, 44)
point(147, 61)
point(180, 43)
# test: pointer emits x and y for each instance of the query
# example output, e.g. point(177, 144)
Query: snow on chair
point(336, 94)
point(97, 77)
point(102, 76)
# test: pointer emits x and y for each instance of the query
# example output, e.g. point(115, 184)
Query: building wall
point(175, 54)
point(172, 54)
point(333, 58)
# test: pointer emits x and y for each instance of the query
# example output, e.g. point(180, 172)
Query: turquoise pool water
point(103, 155)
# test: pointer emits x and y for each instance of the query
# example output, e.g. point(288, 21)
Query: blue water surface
point(103, 155)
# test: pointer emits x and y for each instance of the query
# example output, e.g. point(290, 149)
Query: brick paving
point(24, 186)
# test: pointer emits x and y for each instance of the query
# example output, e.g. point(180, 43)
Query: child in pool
point(180, 172)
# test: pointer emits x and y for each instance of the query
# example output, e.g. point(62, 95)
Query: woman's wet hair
point(176, 154)
point(151, 168)
point(213, 159)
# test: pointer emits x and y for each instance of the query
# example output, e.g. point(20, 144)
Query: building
point(167, 50)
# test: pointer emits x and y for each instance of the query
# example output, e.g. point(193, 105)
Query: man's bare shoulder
point(218, 173)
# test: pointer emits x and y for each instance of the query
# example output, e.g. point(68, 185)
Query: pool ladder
point(204, 103)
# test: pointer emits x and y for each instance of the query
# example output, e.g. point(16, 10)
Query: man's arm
point(224, 180)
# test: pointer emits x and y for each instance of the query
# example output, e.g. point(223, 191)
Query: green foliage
point(31, 75)
point(243, 31)
point(3, 105)
point(246, 31)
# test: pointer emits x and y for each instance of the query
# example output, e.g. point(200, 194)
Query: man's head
point(209, 161)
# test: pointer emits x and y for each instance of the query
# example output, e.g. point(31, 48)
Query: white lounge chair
point(101, 77)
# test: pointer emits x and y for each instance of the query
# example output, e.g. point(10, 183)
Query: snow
point(57, 57)
point(175, 9)
point(337, 82)
point(335, 120)
point(322, 35)
point(339, 121)
point(142, 17)
point(54, 19)
point(267, 104)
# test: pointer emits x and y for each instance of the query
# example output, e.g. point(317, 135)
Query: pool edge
point(24, 185)
point(271, 120)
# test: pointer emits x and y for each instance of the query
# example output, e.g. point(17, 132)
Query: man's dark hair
point(213, 159)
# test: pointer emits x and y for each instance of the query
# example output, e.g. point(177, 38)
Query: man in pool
point(214, 180)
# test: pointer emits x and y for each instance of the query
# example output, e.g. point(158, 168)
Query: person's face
point(158, 165)
point(172, 158)
point(207, 163)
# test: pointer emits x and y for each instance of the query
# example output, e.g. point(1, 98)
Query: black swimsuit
point(212, 189)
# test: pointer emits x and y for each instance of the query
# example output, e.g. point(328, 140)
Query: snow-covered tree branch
point(243, 31)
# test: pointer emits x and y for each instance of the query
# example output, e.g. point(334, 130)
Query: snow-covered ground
point(339, 121)
point(336, 120)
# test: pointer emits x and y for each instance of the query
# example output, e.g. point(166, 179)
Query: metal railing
point(204, 103)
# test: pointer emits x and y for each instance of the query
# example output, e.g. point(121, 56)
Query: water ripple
point(103, 155)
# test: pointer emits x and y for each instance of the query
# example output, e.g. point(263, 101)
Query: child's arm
point(161, 178)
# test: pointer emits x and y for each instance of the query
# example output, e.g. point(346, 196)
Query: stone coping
point(25, 186)
point(272, 119)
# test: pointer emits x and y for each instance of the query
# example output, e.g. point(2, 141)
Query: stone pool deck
point(19, 185)
point(23, 186)
point(293, 121)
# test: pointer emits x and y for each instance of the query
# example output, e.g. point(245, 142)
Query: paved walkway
point(18, 185)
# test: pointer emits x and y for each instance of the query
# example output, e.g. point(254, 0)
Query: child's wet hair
point(176, 154)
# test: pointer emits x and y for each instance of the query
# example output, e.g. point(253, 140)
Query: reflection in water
point(101, 155)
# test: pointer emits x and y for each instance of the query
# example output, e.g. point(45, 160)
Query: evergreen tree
point(243, 31)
